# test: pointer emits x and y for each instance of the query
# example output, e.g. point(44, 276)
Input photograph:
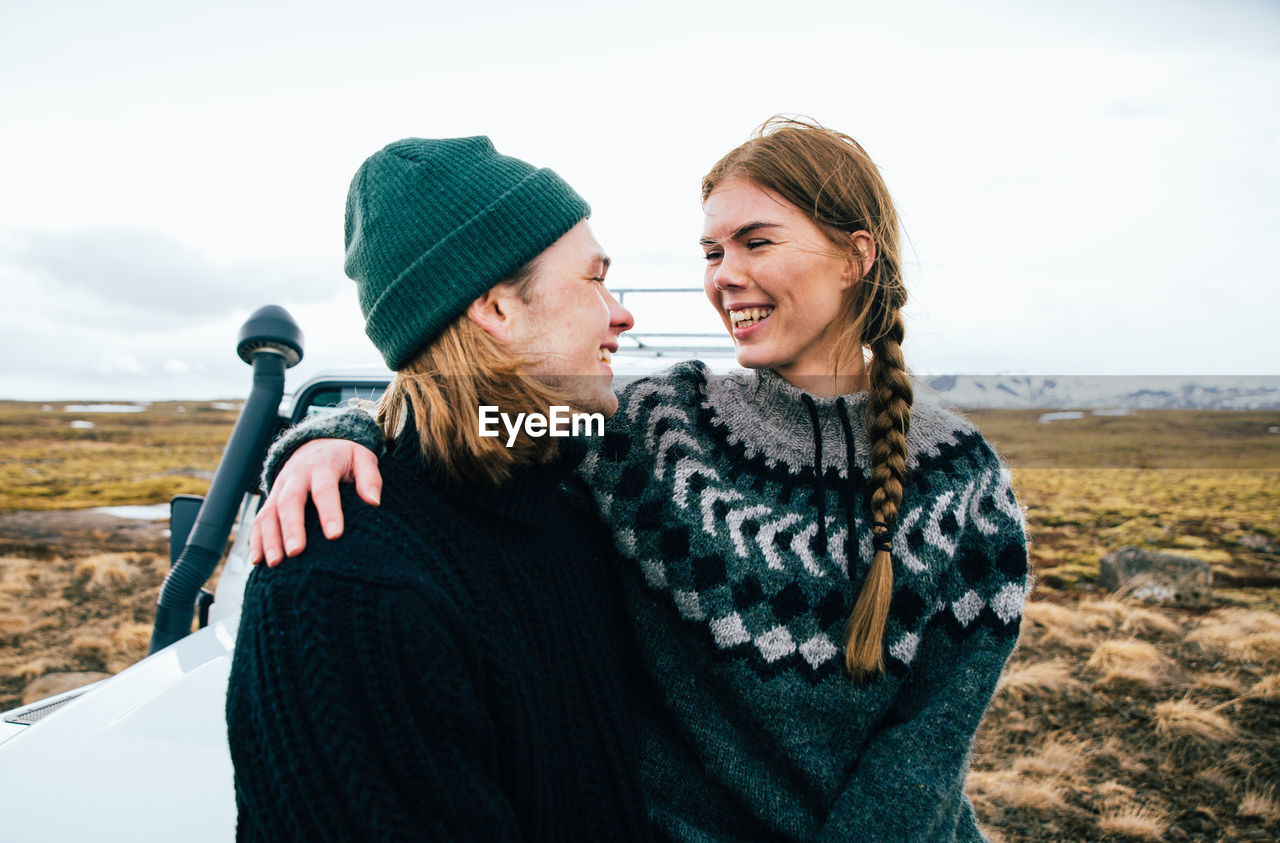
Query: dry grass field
point(1114, 720)
point(1120, 721)
point(148, 457)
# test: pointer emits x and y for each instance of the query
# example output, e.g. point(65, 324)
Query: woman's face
point(779, 284)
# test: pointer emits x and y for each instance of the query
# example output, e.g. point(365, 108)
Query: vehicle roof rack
point(680, 344)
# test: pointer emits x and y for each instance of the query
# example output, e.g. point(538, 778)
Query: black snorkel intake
point(271, 342)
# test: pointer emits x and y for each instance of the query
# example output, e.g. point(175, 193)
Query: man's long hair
point(444, 385)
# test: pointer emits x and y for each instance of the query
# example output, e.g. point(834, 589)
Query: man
point(453, 666)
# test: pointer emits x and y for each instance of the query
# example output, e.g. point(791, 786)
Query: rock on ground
point(1157, 577)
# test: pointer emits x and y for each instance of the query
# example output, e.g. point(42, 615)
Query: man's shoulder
point(681, 384)
point(687, 374)
point(404, 543)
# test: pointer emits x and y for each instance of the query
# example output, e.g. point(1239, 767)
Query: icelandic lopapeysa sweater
point(746, 568)
point(452, 668)
point(747, 537)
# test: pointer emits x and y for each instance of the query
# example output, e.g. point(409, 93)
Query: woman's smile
point(780, 285)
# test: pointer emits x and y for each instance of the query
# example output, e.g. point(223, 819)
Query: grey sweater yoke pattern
point(730, 464)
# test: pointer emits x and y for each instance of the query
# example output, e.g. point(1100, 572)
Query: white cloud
point(1086, 187)
point(141, 275)
point(115, 364)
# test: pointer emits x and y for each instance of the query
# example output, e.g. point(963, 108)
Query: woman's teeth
point(748, 316)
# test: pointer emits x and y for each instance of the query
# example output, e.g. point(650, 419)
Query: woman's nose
point(727, 276)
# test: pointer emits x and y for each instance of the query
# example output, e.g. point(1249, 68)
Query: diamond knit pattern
point(716, 509)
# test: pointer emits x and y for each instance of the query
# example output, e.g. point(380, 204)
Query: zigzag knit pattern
point(743, 579)
point(702, 470)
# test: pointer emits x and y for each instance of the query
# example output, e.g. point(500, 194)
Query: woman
point(824, 581)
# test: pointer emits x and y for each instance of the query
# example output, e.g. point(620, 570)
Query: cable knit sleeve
point(353, 423)
point(908, 782)
point(354, 713)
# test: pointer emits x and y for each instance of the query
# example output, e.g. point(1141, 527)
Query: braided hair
point(830, 177)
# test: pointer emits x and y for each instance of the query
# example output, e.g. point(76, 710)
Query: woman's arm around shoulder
point(308, 462)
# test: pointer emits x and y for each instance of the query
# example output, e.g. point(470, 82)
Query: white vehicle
point(143, 755)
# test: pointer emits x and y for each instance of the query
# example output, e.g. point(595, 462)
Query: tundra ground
point(1114, 720)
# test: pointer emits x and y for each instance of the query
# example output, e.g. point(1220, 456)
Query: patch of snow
point(153, 512)
point(105, 408)
point(1066, 415)
point(81, 424)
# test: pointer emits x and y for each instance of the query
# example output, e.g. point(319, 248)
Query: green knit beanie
point(433, 224)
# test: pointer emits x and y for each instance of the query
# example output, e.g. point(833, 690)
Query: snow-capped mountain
point(1082, 392)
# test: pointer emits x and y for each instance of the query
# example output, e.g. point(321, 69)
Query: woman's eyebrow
point(740, 231)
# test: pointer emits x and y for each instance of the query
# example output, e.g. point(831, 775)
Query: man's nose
point(620, 319)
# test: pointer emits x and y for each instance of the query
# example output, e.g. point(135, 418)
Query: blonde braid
point(830, 177)
point(889, 411)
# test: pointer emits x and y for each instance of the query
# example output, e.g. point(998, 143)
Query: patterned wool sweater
point(738, 584)
point(711, 489)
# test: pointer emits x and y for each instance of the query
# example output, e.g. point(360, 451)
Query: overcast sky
point(1087, 189)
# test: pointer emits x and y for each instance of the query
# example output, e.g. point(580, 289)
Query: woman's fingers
point(291, 511)
point(324, 494)
point(267, 528)
point(255, 543)
point(312, 473)
point(364, 467)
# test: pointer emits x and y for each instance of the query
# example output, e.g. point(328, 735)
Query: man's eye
point(597, 278)
point(756, 243)
point(713, 255)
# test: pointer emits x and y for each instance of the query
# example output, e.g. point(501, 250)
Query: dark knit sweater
point(745, 563)
point(452, 668)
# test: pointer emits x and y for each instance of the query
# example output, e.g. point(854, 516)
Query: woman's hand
point(313, 471)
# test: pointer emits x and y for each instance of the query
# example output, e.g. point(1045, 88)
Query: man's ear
point(495, 312)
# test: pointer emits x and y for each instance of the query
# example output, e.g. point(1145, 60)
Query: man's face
point(570, 326)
